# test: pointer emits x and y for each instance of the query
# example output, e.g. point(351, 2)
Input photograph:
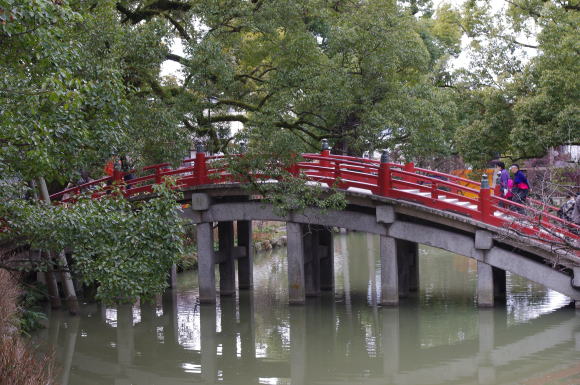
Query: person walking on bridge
point(521, 187)
point(576, 211)
point(566, 210)
point(503, 178)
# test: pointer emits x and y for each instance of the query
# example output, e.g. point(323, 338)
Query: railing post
point(325, 152)
point(367, 162)
point(117, 178)
point(385, 182)
point(485, 207)
point(200, 164)
point(293, 169)
point(337, 175)
point(409, 167)
point(158, 179)
point(434, 191)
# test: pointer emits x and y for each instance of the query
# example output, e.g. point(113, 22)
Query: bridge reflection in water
point(437, 336)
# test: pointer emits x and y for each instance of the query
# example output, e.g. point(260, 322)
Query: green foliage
point(527, 105)
point(357, 73)
point(126, 248)
point(61, 102)
point(287, 192)
point(30, 312)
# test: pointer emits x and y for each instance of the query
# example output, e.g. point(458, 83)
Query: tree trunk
point(67, 283)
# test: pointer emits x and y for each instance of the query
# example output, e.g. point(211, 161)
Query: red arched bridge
point(403, 204)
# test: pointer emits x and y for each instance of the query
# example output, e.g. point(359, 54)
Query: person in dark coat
point(521, 187)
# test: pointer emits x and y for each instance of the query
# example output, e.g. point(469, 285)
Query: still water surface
point(437, 336)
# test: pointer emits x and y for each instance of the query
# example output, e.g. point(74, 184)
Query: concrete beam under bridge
point(480, 245)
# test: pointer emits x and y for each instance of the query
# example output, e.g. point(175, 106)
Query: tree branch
point(202, 121)
point(176, 58)
point(182, 32)
point(237, 103)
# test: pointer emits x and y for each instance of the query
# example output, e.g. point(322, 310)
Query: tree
point(362, 74)
point(68, 89)
point(519, 107)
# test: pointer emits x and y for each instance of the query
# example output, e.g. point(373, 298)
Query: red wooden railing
point(383, 178)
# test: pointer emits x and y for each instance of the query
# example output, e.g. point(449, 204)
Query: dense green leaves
point(126, 249)
point(525, 106)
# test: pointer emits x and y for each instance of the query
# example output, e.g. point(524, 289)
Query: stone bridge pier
point(311, 250)
point(225, 257)
point(310, 262)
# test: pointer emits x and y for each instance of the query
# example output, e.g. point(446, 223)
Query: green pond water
point(436, 336)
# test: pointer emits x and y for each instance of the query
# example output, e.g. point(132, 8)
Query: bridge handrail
point(77, 189)
point(384, 179)
point(545, 215)
point(433, 172)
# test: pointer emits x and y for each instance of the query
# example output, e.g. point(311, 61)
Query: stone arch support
point(479, 246)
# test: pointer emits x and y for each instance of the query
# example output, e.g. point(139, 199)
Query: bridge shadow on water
point(436, 336)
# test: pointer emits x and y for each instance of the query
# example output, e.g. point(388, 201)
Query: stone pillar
point(326, 241)
point(485, 291)
point(296, 293)
point(407, 259)
point(207, 328)
point(371, 262)
point(499, 283)
point(245, 264)
point(389, 271)
point(311, 260)
point(345, 270)
point(227, 264)
point(205, 263)
point(403, 267)
point(414, 267)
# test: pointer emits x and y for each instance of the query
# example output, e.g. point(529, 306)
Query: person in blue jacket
point(521, 187)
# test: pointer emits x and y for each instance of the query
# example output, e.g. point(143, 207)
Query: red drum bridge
point(403, 204)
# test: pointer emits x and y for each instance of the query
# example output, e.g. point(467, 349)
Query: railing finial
point(243, 147)
point(325, 145)
point(199, 146)
point(385, 157)
point(484, 181)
